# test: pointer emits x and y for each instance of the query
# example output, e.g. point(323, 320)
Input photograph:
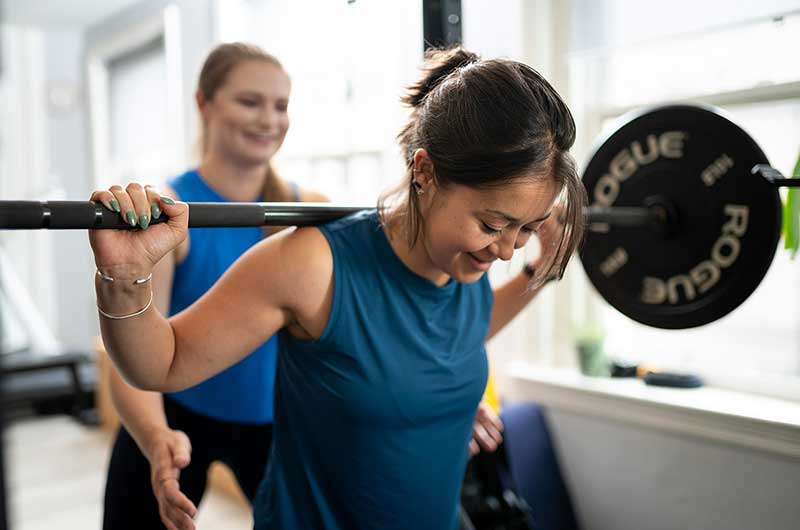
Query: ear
point(423, 168)
point(201, 104)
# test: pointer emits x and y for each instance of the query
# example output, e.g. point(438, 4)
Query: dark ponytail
point(438, 66)
point(487, 123)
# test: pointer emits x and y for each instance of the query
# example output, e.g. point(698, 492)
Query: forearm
point(142, 347)
point(142, 413)
point(509, 299)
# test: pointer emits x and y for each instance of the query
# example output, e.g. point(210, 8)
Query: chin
point(257, 157)
point(467, 276)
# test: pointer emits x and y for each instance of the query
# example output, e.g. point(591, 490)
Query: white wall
point(622, 476)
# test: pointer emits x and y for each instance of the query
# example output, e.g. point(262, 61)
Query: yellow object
point(490, 394)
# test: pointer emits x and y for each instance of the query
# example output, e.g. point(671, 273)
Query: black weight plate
point(726, 226)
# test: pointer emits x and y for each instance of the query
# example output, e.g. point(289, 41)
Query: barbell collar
point(775, 177)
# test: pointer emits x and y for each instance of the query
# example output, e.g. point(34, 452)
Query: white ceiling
point(64, 13)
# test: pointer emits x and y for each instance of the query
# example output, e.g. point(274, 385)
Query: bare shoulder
point(300, 265)
point(302, 248)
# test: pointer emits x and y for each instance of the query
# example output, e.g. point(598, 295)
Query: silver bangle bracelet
point(140, 281)
point(123, 317)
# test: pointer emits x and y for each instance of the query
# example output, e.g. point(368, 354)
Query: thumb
point(176, 211)
point(181, 448)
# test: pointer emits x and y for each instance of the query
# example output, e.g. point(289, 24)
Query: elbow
point(166, 385)
point(145, 381)
point(141, 382)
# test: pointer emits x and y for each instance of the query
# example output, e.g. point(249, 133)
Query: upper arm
point(285, 279)
point(307, 195)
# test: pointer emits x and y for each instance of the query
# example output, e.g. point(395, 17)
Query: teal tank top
point(242, 393)
point(373, 420)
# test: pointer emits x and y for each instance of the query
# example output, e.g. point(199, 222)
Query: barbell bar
point(683, 222)
point(67, 215)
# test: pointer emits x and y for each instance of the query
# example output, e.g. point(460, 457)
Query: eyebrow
point(514, 220)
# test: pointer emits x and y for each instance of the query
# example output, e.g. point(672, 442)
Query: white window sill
point(747, 420)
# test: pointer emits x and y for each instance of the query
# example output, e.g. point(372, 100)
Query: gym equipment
point(37, 372)
point(683, 223)
point(65, 215)
point(718, 215)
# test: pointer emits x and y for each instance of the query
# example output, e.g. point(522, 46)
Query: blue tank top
point(242, 393)
point(372, 421)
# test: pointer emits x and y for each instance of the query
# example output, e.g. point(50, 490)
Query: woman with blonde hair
point(160, 459)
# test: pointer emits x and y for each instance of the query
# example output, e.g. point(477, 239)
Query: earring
point(417, 187)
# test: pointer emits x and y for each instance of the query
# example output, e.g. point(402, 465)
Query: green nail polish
point(167, 200)
point(115, 205)
point(144, 221)
point(155, 210)
point(131, 217)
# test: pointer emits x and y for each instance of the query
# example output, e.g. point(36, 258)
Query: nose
point(504, 247)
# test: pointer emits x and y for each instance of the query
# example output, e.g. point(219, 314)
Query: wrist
point(150, 438)
point(122, 296)
point(124, 273)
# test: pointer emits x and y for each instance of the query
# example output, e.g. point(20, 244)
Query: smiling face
point(466, 230)
point(247, 118)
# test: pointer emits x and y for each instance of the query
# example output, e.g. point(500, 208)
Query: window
point(138, 109)
point(135, 97)
point(348, 63)
point(756, 347)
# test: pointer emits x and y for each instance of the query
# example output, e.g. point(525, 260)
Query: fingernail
point(115, 205)
point(131, 217)
point(156, 211)
point(144, 221)
point(167, 200)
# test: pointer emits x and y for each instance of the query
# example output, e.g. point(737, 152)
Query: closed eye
point(490, 229)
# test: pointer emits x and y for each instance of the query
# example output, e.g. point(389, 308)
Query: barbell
point(683, 222)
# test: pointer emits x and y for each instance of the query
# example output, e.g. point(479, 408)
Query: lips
point(261, 138)
point(481, 265)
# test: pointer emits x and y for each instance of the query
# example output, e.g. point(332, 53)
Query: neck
point(234, 181)
point(416, 258)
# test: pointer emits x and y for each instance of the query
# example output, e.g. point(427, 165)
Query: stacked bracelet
point(140, 281)
point(123, 317)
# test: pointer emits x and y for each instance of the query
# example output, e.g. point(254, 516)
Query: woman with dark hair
point(166, 443)
point(382, 315)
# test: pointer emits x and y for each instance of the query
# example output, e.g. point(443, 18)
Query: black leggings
point(129, 500)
